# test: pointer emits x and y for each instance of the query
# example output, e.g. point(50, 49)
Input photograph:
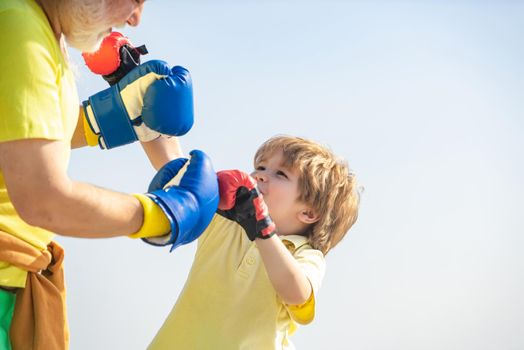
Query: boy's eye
point(260, 168)
point(281, 173)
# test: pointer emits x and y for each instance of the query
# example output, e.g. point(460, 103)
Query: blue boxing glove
point(187, 192)
point(152, 99)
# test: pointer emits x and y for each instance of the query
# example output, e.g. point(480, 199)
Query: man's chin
point(86, 44)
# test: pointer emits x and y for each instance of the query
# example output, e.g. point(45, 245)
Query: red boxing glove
point(242, 202)
point(115, 57)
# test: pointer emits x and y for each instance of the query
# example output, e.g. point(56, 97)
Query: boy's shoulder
point(311, 260)
point(299, 246)
point(295, 242)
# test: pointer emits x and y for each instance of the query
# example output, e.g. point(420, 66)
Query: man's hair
point(325, 183)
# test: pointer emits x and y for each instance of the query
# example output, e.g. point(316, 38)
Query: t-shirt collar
point(292, 242)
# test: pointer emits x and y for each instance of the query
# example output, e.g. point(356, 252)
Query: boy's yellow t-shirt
point(228, 301)
point(38, 99)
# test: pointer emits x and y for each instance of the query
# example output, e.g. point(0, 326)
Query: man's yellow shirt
point(38, 100)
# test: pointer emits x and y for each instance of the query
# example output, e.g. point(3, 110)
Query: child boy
point(258, 268)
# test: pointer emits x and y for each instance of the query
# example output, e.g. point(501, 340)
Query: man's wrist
point(91, 137)
point(155, 222)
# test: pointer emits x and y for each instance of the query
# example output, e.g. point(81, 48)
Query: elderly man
point(40, 121)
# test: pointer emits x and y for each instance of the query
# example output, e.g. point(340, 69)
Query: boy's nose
point(259, 176)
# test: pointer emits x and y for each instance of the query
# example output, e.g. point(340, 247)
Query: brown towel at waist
point(39, 320)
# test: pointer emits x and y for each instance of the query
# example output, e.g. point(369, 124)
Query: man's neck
point(50, 9)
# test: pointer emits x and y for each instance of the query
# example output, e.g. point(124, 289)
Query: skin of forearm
point(35, 174)
point(162, 150)
point(285, 274)
point(122, 213)
point(79, 139)
point(159, 151)
point(82, 210)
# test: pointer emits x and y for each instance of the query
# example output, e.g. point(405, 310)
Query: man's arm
point(283, 271)
point(35, 173)
point(159, 151)
point(79, 138)
point(162, 150)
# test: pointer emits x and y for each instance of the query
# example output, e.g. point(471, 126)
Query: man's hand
point(187, 193)
point(150, 100)
point(115, 58)
point(241, 202)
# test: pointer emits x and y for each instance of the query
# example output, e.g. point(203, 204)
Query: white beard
point(86, 28)
point(85, 42)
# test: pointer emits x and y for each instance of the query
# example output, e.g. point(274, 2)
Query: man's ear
point(308, 216)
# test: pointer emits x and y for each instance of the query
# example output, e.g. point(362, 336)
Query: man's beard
point(85, 41)
point(86, 24)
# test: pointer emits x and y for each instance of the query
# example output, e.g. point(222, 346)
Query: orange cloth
point(39, 320)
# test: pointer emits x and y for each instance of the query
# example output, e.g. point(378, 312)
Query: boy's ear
point(308, 216)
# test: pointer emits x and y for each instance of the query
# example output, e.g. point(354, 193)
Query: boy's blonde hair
point(325, 183)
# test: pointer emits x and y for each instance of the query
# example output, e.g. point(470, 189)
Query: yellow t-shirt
point(228, 301)
point(38, 99)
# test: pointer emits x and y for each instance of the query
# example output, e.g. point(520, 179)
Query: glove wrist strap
point(268, 229)
point(91, 137)
point(155, 221)
point(106, 111)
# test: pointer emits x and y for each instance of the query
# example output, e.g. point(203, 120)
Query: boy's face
point(279, 186)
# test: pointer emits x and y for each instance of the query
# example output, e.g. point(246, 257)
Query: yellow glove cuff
point(91, 137)
point(155, 222)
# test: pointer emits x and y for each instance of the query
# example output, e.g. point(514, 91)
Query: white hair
point(84, 23)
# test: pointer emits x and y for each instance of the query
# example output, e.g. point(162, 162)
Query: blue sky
point(424, 99)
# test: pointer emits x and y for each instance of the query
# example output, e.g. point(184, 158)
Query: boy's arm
point(284, 272)
point(241, 201)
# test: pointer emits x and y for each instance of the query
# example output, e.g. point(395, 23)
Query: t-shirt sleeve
point(29, 92)
point(313, 265)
